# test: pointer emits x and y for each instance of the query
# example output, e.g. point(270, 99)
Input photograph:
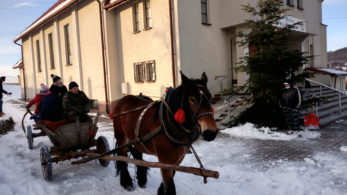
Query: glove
point(9, 93)
point(27, 107)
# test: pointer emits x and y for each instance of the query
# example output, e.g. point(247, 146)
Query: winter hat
point(55, 78)
point(44, 89)
point(72, 84)
point(3, 78)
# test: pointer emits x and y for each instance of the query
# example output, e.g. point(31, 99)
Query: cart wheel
point(46, 163)
point(30, 137)
point(102, 147)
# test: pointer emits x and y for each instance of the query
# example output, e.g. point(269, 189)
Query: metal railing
point(321, 86)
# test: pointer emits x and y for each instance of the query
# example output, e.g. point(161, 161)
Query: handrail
point(218, 82)
point(320, 84)
point(236, 92)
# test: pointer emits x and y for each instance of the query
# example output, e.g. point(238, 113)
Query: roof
point(19, 65)
point(58, 8)
point(328, 71)
point(111, 4)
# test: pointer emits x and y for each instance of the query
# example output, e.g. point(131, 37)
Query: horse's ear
point(204, 78)
point(184, 79)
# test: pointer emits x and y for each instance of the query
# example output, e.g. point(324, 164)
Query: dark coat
point(51, 108)
point(75, 105)
point(291, 98)
point(2, 90)
point(60, 91)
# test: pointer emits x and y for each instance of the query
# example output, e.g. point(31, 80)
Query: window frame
point(68, 54)
point(205, 16)
point(147, 14)
point(153, 77)
point(290, 3)
point(51, 51)
point(300, 4)
point(139, 75)
point(136, 17)
point(38, 56)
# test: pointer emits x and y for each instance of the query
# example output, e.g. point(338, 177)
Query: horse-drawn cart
point(71, 141)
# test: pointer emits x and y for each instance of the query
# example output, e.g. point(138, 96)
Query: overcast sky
point(16, 15)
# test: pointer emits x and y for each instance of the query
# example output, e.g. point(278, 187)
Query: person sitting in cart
point(37, 100)
point(51, 110)
point(58, 86)
point(76, 104)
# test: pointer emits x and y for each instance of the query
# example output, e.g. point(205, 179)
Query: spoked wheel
point(30, 138)
point(46, 163)
point(102, 147)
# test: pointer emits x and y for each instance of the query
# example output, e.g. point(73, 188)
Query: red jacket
point(37, 99)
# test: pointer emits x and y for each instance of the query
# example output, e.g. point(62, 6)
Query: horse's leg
point(122, 168)
point(167, 187)
point(141, 172)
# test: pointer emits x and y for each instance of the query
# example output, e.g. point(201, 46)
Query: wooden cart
point(71, 141)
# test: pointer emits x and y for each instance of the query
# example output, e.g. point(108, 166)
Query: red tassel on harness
point(111, 115)
point(180, 116)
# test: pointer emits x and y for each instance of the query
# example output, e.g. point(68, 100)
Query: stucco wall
point(91, 50)
point(152, 44)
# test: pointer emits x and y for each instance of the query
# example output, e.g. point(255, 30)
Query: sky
point(16, 15)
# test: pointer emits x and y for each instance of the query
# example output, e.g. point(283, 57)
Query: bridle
point(196, 114)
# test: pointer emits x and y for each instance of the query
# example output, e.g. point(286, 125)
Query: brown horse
point(170, 143)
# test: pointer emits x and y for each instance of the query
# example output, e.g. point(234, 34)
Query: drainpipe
point(102, 30)
point(24, 83)
point(172, 37)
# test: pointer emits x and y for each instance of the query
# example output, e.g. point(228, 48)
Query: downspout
point(102, 30)
point(24, 83)
point(172, 37)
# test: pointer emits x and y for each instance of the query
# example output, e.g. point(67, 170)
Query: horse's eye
point(192, 99)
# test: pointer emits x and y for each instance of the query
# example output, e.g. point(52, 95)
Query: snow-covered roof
point(51, 13)
point(333, 71)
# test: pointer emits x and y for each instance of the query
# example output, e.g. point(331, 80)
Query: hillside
point(338, 57)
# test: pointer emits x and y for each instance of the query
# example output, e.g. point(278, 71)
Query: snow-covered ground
point(320, 173)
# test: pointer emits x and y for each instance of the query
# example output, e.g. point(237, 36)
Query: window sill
point(136, 32)
point(206, 24)
point(290, 5)
point(300, 8)
point(139, 82)
point(148, 28)
point(68, 64)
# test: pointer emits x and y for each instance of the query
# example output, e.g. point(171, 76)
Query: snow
point(248, 130)
point(230, 154)
point(343, 148)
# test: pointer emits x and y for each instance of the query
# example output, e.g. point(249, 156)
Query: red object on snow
point(311, 120)
point(180, 116)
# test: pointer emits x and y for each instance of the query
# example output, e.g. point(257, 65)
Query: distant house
point(118, 47)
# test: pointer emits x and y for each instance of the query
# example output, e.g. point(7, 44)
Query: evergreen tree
point(269, 63)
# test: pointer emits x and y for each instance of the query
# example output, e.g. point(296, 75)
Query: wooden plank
point(192, 170)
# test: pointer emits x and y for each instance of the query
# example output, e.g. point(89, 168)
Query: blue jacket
point(51, 108)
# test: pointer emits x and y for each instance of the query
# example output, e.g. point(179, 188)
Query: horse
point(173, 124)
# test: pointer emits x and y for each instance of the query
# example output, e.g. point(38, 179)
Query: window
point(147, 14)
point(204, 12)
point(139, 73)
point(299, 4)
point(290, 2)
point(38, 56)
point(67, 44)
point(136, 19)
point(150, 71)
point(51, 52)
point(145, 71)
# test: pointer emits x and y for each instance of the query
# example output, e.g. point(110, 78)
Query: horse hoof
point(142, 185)
point(129, 188)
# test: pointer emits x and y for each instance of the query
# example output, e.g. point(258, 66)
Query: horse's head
point(196, 101)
